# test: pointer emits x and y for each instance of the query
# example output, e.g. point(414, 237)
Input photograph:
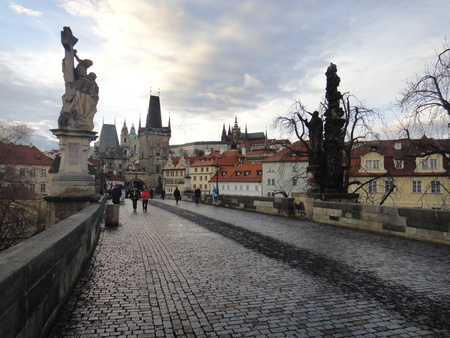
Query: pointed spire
point(169, 120)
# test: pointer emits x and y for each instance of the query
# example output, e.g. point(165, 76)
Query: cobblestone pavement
point(202, 271)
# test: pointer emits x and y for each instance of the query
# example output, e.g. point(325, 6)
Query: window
point(388, 186)
point(43, 187)
point(22, 171)
point(399, 164)
point(201, 169)
point(247, 187)
point(32, 187)
point(425, 164)
point(435, 187)
point(294, 181)
point(235, 187)
point(433, 163)
point(417, 187)
point(240, 187)
point(195, 178)
point(256, 188)
point(43, 173)
point(195, 186)
point(195, 169)
point(273, 181)
point(268, 181)
point(373, 187)
point(397, 145)
point(372, 164)
point(33, 172)
point(201, 178)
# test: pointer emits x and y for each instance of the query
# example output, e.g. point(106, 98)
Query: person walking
point(134, 195)
point(152, 192)
point(197, 194)
point(144, 197)
point(163, 194)
point(177, 195)
point(115, 194)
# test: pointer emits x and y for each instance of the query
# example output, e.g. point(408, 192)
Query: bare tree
point(425, 100)
point(20, 215)
point(359, 124)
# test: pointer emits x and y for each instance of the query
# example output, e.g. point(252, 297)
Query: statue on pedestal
point(81, 96)
point(334, 134)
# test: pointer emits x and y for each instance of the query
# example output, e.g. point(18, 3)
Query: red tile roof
point(406, 150)
point(243, 173)
point(22, 155)
point(295, 152)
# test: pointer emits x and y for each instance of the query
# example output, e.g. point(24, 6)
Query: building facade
point(25, 166)
point(404, 173)
point(241, 180)
point(285, 171)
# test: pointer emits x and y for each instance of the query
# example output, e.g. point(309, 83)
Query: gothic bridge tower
point(154, 145)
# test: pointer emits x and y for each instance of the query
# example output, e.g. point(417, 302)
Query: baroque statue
point(81, 96)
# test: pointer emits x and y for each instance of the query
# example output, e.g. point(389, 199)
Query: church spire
point(154, 113)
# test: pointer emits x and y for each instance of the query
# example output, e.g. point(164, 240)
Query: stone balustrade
point(415, 223)
point(37, 275)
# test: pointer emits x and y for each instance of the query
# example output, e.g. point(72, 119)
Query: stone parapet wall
point(268, 205)
point(420, 224)
point(37, 275)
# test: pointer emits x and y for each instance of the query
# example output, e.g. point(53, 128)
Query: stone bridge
point(202, 270)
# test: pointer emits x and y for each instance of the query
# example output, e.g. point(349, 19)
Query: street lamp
point(217, 178)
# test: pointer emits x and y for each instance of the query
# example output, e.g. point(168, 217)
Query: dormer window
point(259, 172)
point(224, 173)
point(397, 145)
point(246, 173)
point(238, 173)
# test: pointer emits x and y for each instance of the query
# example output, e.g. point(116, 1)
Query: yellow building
point(404, 173)
point(205, 168)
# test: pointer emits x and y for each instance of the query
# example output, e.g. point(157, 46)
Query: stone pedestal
point(112, 215)
point(73, 178)
point(72, 188)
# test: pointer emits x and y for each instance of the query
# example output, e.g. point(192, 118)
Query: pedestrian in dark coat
point(177, 195)
point(115, 194)
point(134, 195)
point(197, 194)
point(163, 194)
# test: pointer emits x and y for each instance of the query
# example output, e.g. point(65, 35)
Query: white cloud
point(22, 10)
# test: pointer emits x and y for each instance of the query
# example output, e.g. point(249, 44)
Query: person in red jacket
point(145, 195)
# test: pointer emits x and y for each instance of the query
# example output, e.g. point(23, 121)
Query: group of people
point(135, 195)
point(144, 196)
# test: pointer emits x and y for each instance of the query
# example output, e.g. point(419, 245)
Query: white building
point(285, 172)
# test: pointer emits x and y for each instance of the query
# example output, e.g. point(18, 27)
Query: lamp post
point(217, 178)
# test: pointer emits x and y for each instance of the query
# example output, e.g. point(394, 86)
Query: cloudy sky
point(212, 60)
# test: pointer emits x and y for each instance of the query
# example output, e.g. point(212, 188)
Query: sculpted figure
point(81, 96)
point(315, 126)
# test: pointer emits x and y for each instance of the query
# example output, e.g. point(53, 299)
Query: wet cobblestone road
point(202, 271)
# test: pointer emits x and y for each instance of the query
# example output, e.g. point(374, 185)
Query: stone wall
point(420, 224)
point(37, 275)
